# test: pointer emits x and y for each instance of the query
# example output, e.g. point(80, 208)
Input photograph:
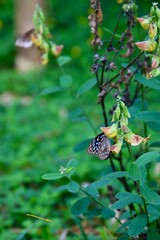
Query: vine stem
point(125, 68)
point(100, 204)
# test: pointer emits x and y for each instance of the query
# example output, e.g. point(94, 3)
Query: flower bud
point(152, 30)
point(117, 147)
point(144, 22)
point(116, 114)
point(152, 11)
point(124, 124)
point(158, 13)
point(155, 62)
point(44, 46)
point(124, 110)
point(153, 73)
point(44, 58)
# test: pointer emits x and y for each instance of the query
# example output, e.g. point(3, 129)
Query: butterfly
point(25, 40)
point(100, 146)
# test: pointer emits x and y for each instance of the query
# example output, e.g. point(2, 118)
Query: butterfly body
point(100, 146)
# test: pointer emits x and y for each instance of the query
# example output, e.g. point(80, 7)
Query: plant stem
point(146, 210)
point(112, 163)
point(130, 152)
point(99, 203)
point(144, 124)
point(81, 228)
point(125, 68)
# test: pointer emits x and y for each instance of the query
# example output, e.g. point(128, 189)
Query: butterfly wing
point(25, 40)
point(104, 148)
point(100, 146)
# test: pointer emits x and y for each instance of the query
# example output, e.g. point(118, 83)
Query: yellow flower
point(110, 132)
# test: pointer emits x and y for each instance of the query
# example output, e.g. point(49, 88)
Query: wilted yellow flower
point(56, 50)
point(134, 139)
point(144, 22)
point(147, 45)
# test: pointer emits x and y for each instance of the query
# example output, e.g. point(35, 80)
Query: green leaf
point(137, 225)
point(75, 113)
point(143, 177)
point(107, 213)
point(80, 206)
point(93, 213)
point(92, 191)
point(71, 166)
point(52, 176)
point(86, 86)
point(73, 187)
point(126, 200)
point(150, 195)
point(99, 183)
point(52, 90)
point(155, 145)
point(62, 60)
point(147, 158)
point(65, 81)
point(153, 234)
point(148, 116)
point(155, 126)
point(115, 175)
point(82, 145)
point(127, 214)
point(151, 83)
point(134, 172)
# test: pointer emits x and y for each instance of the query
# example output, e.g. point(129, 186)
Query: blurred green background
point(38, 133)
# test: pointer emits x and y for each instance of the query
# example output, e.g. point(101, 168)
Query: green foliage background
point(37, 132)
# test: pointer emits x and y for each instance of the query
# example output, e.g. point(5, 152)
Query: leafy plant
point(132, 199)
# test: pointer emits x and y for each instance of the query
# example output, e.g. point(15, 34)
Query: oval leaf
point(107, 213)
point(143, 177)
point(137, 225)
point(150, 195)
point(147, 158)
point(71, 166)
point(52, 90)
point(148, 116)
point(86, 86)
point(52, 176)
point(80, 206)
point(65, 81)
point(62, 60)
point(134, 172)
point(115, 175)
point(73, 187)
point(125, 201)
point(151, 83)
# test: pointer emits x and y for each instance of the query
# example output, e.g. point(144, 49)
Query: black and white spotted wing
point(25, 40)
point(100, 146)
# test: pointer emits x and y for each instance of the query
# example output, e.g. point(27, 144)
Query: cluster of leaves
point(139, 203)
point(131, 203)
